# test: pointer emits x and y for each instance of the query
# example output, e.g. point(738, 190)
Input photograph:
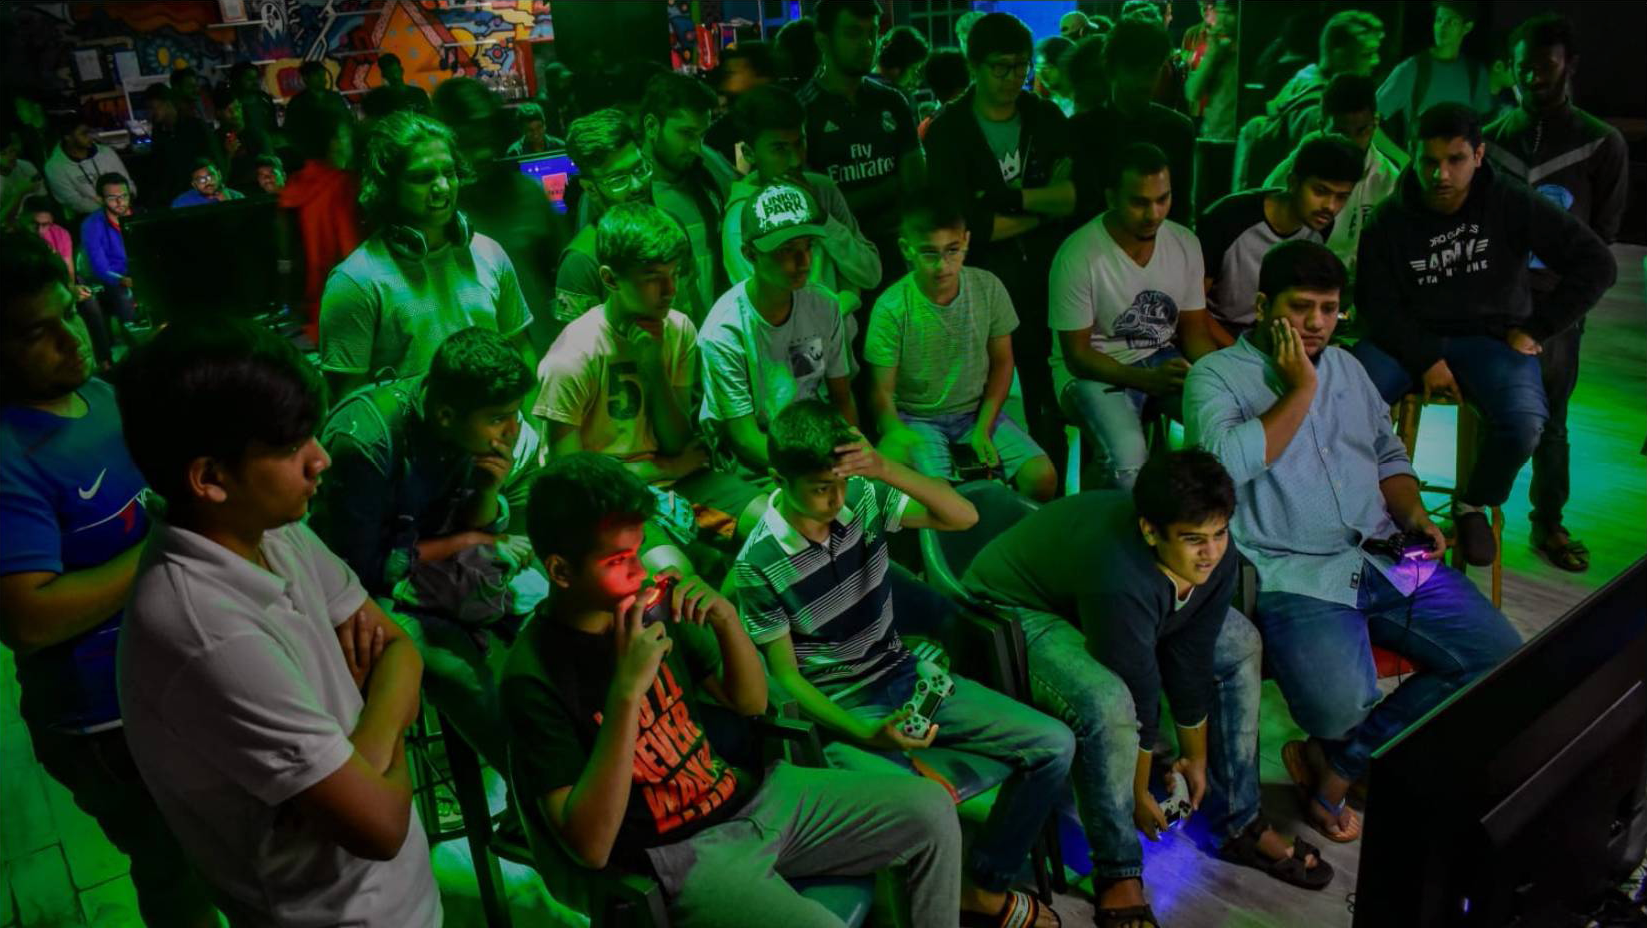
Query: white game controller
point(931, 687)
point(1176, 807)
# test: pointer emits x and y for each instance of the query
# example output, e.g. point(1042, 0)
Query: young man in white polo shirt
point(265, 695)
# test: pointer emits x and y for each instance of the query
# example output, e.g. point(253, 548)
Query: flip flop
point(1021, 910)
point(1298, 767)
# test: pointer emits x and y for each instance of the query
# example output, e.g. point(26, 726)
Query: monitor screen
point(551, 169)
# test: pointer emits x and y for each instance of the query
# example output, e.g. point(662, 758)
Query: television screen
point(552, 169)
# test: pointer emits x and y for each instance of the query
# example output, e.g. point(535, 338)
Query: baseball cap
point(778, 213)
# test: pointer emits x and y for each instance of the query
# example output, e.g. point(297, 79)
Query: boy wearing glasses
point(775, 337)
point(1008, 152)
point(939, 352)
point(612, 171)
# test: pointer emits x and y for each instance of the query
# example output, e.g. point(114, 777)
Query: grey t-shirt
point(789, 361)
point(236, 699)
point(1235, 235)
point(1003, 138)
point(941, 352)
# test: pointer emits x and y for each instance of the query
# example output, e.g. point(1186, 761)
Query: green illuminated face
point(483, 430)
point(646, 292)
point(788, 265)
point(818, 496)
point(426, 192)
point(778, 153)
point(44, 346)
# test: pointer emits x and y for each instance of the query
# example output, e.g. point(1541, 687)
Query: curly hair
point(475, 367)
point(802, 438)
point(388, 148)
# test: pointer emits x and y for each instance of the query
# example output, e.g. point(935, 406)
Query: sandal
point(1302, 774)
point(1021, 910)
point(1129, 916)
point(1562, 550)
point(1294, 870)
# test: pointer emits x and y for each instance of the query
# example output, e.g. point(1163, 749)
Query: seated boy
point(1142, 609)
point(413, 505)
point(813, 591)
point(265, 695)
point(774, 337)
point(939, 352)
point(619, 380)
point(608, 745)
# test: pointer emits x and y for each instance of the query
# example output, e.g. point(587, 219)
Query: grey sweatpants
point(806, 822)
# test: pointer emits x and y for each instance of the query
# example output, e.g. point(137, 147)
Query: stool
point(1407, 415)
point(462, 775)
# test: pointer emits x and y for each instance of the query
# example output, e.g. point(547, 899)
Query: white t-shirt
point(236, 699)
point(1133, 311)
point(789, 361)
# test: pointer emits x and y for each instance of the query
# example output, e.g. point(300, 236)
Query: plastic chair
point(1407, 414)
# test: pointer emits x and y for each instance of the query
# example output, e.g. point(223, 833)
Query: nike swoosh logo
point(88, 494)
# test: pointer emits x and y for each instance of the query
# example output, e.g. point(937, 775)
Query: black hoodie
point(1423, 276)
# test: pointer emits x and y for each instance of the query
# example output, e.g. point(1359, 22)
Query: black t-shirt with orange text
point(554, 690)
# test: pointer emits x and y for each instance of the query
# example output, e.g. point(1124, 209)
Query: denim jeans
point(1111, 420)
point(1321, 654)
point(1552, 474)
point(1070, 684)
point(938, 433)
point(1501, 382)
point(981, 721)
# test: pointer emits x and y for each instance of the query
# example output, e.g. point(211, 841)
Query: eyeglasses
point(617, 185)
point(116, 197)
point(1004, 69)
point(936, 259)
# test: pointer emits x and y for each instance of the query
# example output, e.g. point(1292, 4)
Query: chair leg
point(1407, 415)
point(1498, 558)
point(1072, 462)
point(477, 826)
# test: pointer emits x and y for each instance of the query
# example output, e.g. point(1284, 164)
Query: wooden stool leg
point(477, 826)
point(1498, 559)
point(1407, 415)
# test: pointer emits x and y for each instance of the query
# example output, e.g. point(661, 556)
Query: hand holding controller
point(1176, 807)
point(931, 688)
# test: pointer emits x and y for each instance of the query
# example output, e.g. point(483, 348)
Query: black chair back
point(947, 555)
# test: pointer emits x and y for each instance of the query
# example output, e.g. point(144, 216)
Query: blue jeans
point(1321, 654)
point(938, 433)
point(1111, 420)
point(1070, 684)
point(1506, 385)
point(981, 721)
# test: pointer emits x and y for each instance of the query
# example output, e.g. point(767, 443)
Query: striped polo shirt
point(831, 599)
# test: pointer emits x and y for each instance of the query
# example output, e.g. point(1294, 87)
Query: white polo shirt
point(236, 699)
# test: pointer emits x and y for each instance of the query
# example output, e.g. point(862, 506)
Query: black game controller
point(657, 604)
point(1401, 546)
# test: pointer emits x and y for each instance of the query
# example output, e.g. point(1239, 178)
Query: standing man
point(1006, 153)
point(613, 172)
point(686, 184)
point(394, 94)
point(317, 92)
point(1579, 163)
point(74, 167)
point(1209, 50)
point(1439, 74)
point(859, 132)
point(1448, 305)
point(74, 526)
point(179, 140)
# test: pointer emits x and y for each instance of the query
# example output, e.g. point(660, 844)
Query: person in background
point(105, 246)
point(1051, 81)
point(534, 132)
point(1348, 109)
point(205, 187)
point(180, 142)
point(688, 183)
point(594, 696)
point(1133, 57)
point(271, 174)
point(964, 24)
point(75, 530)
point(241, 147)
point(266, 697)
point(940, 356)
point(1074, 26)
point(1446, 296)
point(744, 66)
point(23, 112)
point(1439, 74)
point(796, 56)
point(844, 262)
point(1125, 286)
point(899, 59)
point(1273, 409)
point(859, 132)
point(317, 91)
point(1239, 229)
point(947, 76)
point(258, 108)
point(1209, 53)
point(423, 273)
point(38, 217)
point(74, 167)
point(612, 171)
point(191, 98)
point(19, 179)
point(394, 94)
point(1008, 154)
point(1580, 164)
point(321, 201)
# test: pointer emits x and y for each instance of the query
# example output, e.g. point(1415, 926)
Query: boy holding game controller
point(608, 744)
point(812, 589)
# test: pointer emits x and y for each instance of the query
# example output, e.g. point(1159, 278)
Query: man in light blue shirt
point(1319, 473)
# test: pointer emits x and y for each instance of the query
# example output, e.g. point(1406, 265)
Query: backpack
point(1266, 140)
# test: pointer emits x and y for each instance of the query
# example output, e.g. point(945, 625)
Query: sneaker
point(1474, 534)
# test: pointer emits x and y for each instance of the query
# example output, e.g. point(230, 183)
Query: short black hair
point(388, 58)
point(929, 208)
point(672, 92)
point(269, 161)
point(1136, 45)
point(1186, 487)
point(1449, 121)
point(596, 138)
point(1350, 93)
point(39, 203)
point(632, 235)
point(27, 266)
point(103, 180)
point(946, 73)
point(753, 52)
point(472, 368)
point(801, 439)
point(1329, 157)
point(212, 391)
point(1141, 158)
point(203, 162)
point(829, 12)
point(767, 108)
point(1546, 30)
point(902, 47)
point(1467, 10)
point(311, 129)
point(1300, 264)
point(998, 34)
point(1053, 48)
point(576, 497)
point(797, 54)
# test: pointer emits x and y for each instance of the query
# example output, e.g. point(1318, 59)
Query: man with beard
point(690, 184)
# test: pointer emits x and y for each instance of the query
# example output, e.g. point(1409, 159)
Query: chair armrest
point(628, 899)
point(982, 646)
point(801, 737)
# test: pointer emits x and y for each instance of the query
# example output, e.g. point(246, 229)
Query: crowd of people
point(791, 310)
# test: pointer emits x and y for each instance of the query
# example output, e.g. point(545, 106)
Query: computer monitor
point(554, 170)
point(1512, 802)
point(205, 262)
